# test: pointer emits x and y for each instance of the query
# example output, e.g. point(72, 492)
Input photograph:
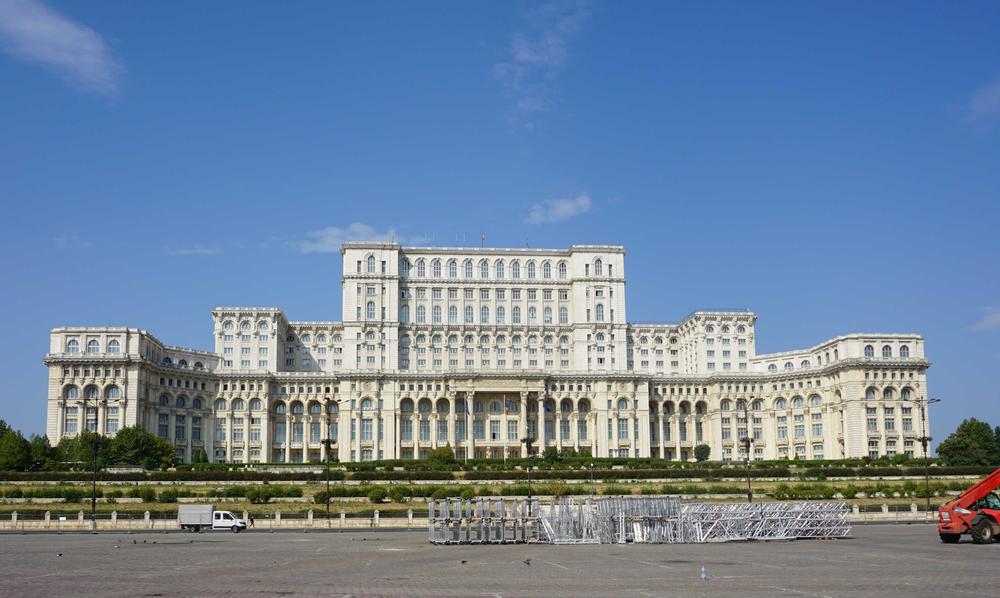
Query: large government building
point(479, 349)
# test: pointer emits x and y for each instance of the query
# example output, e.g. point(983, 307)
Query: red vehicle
point(976, 512)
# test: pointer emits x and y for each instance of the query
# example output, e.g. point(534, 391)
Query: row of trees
point(974, 442)
point(131, 446)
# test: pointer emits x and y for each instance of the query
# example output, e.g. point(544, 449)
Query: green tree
point(442, 456)
point(199, 456)
point(550, 455)
point(702, 452)
point(15, 452)
point(972, 443)
point(4, 428)
point(137, 447)
point(42, 454)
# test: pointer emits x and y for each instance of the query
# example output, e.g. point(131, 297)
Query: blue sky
point(834, 167)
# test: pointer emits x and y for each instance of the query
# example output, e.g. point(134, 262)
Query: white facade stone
point(478, 349)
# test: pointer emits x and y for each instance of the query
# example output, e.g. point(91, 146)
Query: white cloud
point(985, 103)
point(35, 33)
point(71, 242)
point(194, 250)
point(989, 321)
point(329, 239)
point(557, 210)
point(538, 54)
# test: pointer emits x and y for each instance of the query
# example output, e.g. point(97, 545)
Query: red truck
point(975, 512)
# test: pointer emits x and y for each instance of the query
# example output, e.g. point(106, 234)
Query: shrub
point(168, 496)
point(399, 493)
point(146, 493)
point(467, 493)
point(377, 494)
point(615, 490)
point(440, 492)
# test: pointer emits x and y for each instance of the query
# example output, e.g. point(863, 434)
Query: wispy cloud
point(984, 105)
point(35, 33)
point(71, 242)
point(329, 239)
point(538, 54)
point(557, 210)
point(990, 320)
point(194, 250)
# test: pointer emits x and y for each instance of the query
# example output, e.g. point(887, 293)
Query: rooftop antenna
point(482, 239)
point(526, 243)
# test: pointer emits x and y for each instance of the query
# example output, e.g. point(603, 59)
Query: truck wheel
point(950, 538)
point(983, 532)
point(236, 529)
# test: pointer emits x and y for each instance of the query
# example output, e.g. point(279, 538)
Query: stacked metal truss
point(624, 519)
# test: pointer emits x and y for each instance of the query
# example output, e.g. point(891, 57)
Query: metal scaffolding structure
point(629, 519)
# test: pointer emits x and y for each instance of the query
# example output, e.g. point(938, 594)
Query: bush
point(440, 492)
point(377, 494)
point(399, 493)
point(146, 493)
point(615, 490)
point(168, 496)
point(467, 493)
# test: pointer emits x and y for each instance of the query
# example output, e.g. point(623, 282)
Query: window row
point(469, 268)
point(437, 317)
point(93, 346)
point(904, 351)
point(245, 325)
point(91, 393)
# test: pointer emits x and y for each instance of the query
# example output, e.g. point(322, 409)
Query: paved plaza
point(880, 560)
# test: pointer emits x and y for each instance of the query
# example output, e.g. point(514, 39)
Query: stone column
point(288, 437)
point(470, 415)
point(522, 424)
point(541, 423)
point(452, 437)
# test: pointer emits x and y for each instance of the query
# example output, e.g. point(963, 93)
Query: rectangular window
point(314, 432)
point(581, 429)
point(297, 432)
point(425, 430)
point(512, 430)
point(495, 429)
point(479, 429)
point(622, 429)
point(406, 430)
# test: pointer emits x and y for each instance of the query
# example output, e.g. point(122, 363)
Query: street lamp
point(925, 441)
point(746, 442)
point(94, 444)
point(328, 444)
point(527, 440)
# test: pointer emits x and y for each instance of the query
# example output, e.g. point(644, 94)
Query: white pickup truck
point(194, 518)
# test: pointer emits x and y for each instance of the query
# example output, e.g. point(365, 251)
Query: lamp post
point(94, 445)
point(527, 440)
point(591, 471)
point(328, 444)
point(925, 441)
point(747, 442)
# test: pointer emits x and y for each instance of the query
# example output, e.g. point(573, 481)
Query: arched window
point(532, 315)
point(709, 329)
point(599, 312)
point(114, 346)
point(598, 267)
point(406, 406)
point(886, 352)
point(887, 394)
point(220, 405)
point(366, 404)
point(421, 314)
point(773, 367)
point(515, 269)
point(370, 310)
point(904, 351)
point(870, 394)
point(904, 395)
point(196, 404)
point(622, 403)
point(72, 392)
point(333, 409)
point(547, 315)
point(256, 405)
point(452, 269)
point(501, 315)
point(815, 401)
point(93, 346)
point(246, 325)
point(781, 404)
point(404, 313)
point(371, 264)
point(468, 314)
point(297, 408)
point(805, 364)
point(741, 405)
point(563, 315)
point(228, 325)
point(498, 268)
point(546, 270)
point(484, 269)
point(315, 408)
point(181, 402)
point(239, 405)
point(72, 346)
point(789, 365)
point(531, 269)
point(798, 403)
point(452, 315)
point(562, 270)
point(726, 405)
point(112, 392)
point(467, 267)
point(741, 329)
point(404, 268)
point(164, 401)
point(168, 361)
point(436, 314)
point(564, 340)
point(436, 268)
point(421, 268)
point(757, 405)
point(484, 339)
point(725, 329)
point(484, 314)
point(869, 351)
point(262, 325)
point(515, 315)
point(280, 409)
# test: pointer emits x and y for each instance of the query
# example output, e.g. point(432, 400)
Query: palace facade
point(478, 350)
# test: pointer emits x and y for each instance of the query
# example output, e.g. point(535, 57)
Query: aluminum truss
point(625, 519)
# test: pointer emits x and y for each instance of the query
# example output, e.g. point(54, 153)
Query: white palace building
point(478, 349)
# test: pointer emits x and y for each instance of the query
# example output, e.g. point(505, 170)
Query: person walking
point(251, 520)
